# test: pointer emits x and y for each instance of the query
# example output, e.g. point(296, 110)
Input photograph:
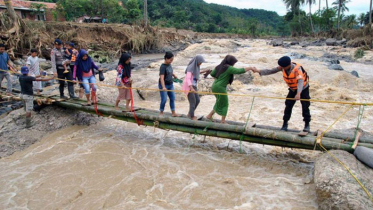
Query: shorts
point(28, 102)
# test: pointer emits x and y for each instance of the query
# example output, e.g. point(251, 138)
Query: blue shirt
point(4, 58)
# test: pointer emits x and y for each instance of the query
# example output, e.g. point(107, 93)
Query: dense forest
point(203, 17)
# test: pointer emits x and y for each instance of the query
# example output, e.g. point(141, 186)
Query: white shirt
point(33, 64)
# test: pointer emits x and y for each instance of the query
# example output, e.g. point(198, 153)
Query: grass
point(359, 53)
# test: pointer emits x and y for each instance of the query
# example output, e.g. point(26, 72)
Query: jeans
point(92, 83)
point(164, 94)
point(305, 105)
point(194, 100)
point(8, 79)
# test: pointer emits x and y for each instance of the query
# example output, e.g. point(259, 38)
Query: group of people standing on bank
point(294, 75)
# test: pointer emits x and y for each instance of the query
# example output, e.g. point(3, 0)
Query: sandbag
point(101, 76)
point(365, 155)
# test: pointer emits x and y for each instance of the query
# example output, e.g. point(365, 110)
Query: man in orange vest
point(297, 80)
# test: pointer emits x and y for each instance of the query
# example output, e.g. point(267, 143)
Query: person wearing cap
point(27, 94)
point(58, 60)
point(5, 66)
point(298, 81)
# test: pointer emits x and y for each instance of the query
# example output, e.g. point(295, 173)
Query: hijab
point(194, 67)
point(228, 61)
point(126, 67)
point(84, 65)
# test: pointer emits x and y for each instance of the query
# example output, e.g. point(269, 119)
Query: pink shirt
point(188, 81)
point(89, 74)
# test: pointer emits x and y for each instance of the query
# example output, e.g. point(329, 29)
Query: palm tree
point(294, 6)
point(370, 14)
point(146, 12)
point(310, 2)
point(361, 19)
point(341, 6)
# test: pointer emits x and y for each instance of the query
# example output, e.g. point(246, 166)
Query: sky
point(356, 6)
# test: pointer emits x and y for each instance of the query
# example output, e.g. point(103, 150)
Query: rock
point(342, 42)
point(331, 42)
point(334, 62)
point(295, 55)
point(304, 44)
point(277, 42)
point(355, 74)
point(286, 45)
point(45, 65)
point(207, 48)
point(18, 62)
point(318, 43)
point(294, 43)
point(336, 188)
point(336, 67)
point(245, 78)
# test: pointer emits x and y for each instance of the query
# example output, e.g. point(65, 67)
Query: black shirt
point(167, 71)
point(26, 84)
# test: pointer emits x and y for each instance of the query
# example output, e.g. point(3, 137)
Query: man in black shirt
point(27, 94)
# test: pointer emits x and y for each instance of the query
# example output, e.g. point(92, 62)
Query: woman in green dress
point(223, 75)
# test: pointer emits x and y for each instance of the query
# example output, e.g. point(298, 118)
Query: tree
point(145, 12)
point(361, 19)
point(341, 6)
point(370, 14)
point(294, 5)
point(310, 2)
point(13, 16)
point(133, 10)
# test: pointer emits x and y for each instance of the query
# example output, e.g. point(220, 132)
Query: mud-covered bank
point(14, 137)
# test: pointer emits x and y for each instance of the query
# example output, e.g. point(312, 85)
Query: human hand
point(192, 90)
point(297, 97)
point(164, 89)
point(55, 74)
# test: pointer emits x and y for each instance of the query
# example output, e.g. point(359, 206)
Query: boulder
point(207, 48)
point(331, 42)
point(295, 55)
point(277, 43)
point(304, 44)
point(334, 62)
point(365, 155)
point(245, 78)
point(335, 186)
point(294, 43)
point(354, 73)
point(286, 45)
point(336, 67)
point(45, 65)
point(342, 42)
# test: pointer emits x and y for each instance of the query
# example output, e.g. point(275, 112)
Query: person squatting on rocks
point(33, 65)
point(166, 84)
point(298, 81)
point(58, 61)
point(84, 70)
point(224, 75)
point(124, 80)
point(190, 84)
point(27, 94)
point(5, 66)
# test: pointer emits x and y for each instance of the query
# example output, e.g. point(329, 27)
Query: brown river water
point(117, 165)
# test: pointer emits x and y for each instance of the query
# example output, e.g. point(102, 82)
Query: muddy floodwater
point(117, 165)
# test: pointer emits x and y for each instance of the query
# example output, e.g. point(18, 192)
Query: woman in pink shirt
point(191, 83)
point(84, 70)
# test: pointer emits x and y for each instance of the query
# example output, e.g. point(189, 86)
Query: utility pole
point(145, 12)
point(102, 8)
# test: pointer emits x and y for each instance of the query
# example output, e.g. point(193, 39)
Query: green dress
point(220, 86)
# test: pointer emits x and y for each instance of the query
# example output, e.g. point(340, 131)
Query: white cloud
point(355, 6)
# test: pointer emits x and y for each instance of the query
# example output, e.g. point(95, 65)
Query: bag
point(101, 76)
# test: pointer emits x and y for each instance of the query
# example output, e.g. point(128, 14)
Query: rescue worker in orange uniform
point(298, 81)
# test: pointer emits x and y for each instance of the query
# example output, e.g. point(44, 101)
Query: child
point(67, 56)
point(33, 65)
point(27, 94)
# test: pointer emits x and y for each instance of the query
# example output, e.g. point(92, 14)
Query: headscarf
point(126, 67)
point(228, 61)
point(194, 67)
point(84, 65)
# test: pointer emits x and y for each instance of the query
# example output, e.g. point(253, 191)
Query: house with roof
point(34, 10)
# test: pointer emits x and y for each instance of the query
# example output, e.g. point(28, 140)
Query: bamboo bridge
point(259, 134)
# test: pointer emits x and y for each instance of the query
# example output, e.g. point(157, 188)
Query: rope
point(339, 118)
point(349, 171)
point(359, 118)
point(138, 121)
point(227, 94)
point(247, 120)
